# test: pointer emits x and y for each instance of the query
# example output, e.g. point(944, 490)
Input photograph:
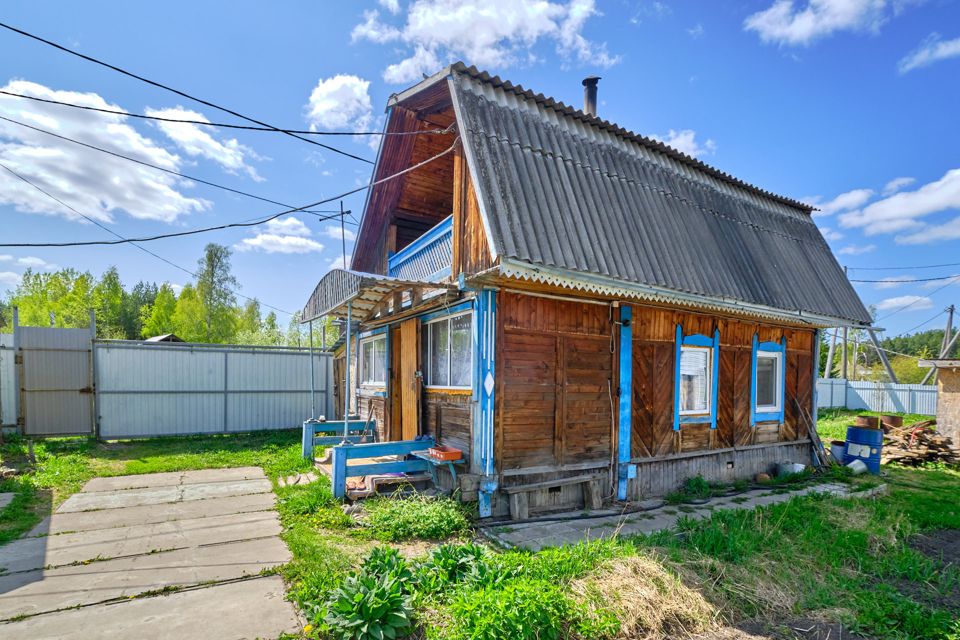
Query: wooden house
point(584, 311)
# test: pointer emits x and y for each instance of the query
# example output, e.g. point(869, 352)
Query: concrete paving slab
point(122, 498)
point(257, 609)
point(5, 499)
point(152, 513)
point(34, 592)
point(173, 478)
point(54, 551)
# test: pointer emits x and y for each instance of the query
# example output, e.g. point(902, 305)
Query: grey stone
point(117, 499)
point(5, 499)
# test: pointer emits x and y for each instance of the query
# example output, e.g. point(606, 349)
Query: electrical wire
point(242, 127)
point(147, 164)
point(919, 266)
point(912, 329)
point(885, 350)
point(144, 249)
point(893, 281)
point(919, 298)
point(232, 225)
point(180, 93)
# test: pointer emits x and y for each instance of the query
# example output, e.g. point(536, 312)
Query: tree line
point(903, 352)
point(205, 310)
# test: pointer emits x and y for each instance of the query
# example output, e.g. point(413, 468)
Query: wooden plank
point(409, 382)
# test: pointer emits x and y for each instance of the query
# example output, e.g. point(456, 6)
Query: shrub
point(366, 607)
point(386, 563)
point(396, 519)
point(518, 610)
point(559, 564)
point(452, 564)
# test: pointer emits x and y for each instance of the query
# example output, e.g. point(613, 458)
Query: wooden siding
point(471, 252)
point(948, 403)
point(556, 376)
point(448, 418)
point(654, 334)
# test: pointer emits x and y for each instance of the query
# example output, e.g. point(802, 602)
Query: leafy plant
point(395, 519)
point(386, 563)
point(518, 610)
point(452, 564)
point(367, 607)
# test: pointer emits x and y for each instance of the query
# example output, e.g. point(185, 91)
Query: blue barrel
point(864, 445)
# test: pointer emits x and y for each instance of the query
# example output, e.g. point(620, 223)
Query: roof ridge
point(611, 127)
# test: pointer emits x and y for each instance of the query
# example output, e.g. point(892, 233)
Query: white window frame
point(709, 381)
point(425, 336)
point(361, 370)
point(778, 383)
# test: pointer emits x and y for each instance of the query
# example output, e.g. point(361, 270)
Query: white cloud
point(177, 288)
point(893, 282)
point(196, 140)
point(489, 33)
point(393, 6)
point(685, 141)
point(340, 102)
point(696, 31)
point(928, 234)
point(844, 201)
point(907, 303)
point(33, 262)
point(93, 182)
point(9, 279)
point(786, 24)
point(830, 235)
point(338, 262)
point(897, 184)
point(333, 231)
point(931, 50)
point(902, 211)
point(282, 235)
point(856, 250)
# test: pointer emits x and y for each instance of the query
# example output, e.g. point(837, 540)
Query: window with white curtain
point(447, 352)
point(373, 360)
point(769, 381)
point(695, 380)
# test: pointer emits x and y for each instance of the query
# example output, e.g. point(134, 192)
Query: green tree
point(136, 304)
point(108, 302)
point(214, 289)
point(248, 318)
point(189, 321)
point(158, 318)
point(67, 294)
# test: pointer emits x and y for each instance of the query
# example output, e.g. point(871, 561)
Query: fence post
point(339, 469)
point(306, 444)
point(226, 388)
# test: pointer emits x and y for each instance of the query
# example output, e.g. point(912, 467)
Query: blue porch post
point(339, 471)
point(484, 388)
point(626, 401)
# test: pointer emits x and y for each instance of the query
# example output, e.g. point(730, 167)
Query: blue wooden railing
point(427, 257)
point(343, 453)
point(334, 433)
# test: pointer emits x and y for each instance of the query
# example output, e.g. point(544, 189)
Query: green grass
point(832, 423)
point(63, 465)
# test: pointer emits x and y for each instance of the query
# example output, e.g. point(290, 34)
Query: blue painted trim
point(400, 466)
point(372, 332)
point(396, 448)
point(626, 400)
point(467, 305)
point(816, 373)
point(768, 347)
point(341, 454)
point(697, 340)
point(484, 358)
point(409, 252)
point(440, 275)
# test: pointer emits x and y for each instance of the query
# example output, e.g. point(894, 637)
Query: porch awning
point(367, 292)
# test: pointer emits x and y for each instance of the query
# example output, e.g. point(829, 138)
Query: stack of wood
point(917, 443)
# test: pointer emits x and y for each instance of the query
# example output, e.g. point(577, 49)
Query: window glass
point(380, 360)
point(373, 360)
point(460, 349)
point(767, 377)
point(694, 380)
point(440, 354)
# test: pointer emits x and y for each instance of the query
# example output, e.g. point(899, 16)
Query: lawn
point(417, 566)
point(832, 423)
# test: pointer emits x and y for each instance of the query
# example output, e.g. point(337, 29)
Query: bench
point(520, 501)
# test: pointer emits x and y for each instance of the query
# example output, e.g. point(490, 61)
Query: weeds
point(395, 519)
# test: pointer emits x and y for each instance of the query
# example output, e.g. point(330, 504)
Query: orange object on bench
point(445, 453)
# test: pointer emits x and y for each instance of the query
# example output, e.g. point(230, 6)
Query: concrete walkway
point(538, 535)
point(151, 556)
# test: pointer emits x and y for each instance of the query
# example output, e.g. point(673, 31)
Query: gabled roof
point(563, 191)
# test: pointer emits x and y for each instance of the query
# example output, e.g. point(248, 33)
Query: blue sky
point(850, 104)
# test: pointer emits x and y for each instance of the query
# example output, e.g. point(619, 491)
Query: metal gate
point(55, 377)
point(8, 387)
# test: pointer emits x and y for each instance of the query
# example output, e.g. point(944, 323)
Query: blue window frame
point(768, 381)
point(695, 379)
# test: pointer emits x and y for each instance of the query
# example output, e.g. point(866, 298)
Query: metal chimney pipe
point(590, 95)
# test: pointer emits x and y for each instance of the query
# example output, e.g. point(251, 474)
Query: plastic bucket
point(837, 449)
point(864, 445)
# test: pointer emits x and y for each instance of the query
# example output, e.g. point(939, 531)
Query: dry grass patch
point(649, 600)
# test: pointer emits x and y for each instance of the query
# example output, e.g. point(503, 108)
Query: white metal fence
point(877, 396)
point(155, 389)
point(8, 387)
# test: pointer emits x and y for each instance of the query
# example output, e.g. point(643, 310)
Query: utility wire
point(230, 126)
point(233, 225)
point(112, 232)
point(954, 280)
point(147, 164)
point(894, 281)
point(180, 93)
point(870, 345)
point(919, 266)
point(925, 322)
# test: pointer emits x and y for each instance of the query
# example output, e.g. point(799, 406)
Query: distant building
point(167, 337)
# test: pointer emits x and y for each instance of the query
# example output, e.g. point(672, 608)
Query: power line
point(111, 231)
point(908, 281)
point(233, 225)
point(180, 93)
point(919, 298)
point(896, 353)
point(147, 164)
point(919, 266)
point(230, 126)
point(925, 322)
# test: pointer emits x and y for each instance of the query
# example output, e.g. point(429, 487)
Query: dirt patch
point(793, 629)
point(942, 545)
point(927, 595)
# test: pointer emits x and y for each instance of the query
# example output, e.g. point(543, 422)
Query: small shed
point(167, 337)
point(948, 396)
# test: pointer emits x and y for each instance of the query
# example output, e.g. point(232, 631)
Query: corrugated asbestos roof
point(565, 190)
point(364, 292)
